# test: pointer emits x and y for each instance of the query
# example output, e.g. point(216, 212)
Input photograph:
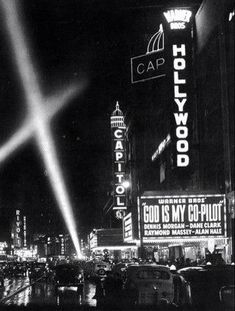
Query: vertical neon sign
point(118, 128)
point(25, 234)
point(17, 233)
point(180, 60)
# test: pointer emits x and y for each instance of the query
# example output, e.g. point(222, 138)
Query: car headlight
point(155, 287)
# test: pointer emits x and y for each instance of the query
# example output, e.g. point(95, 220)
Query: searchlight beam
point(38, 120)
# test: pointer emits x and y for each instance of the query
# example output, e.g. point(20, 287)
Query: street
point(18, 291)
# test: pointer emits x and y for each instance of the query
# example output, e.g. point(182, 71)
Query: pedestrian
point(99, 294)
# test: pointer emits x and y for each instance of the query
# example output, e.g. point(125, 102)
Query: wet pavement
point(19, 292)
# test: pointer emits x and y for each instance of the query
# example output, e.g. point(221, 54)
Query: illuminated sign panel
point(118, 131)
point(62, 246)
point(183, 216)
point(150, 65)
point(169, 53)
point(127, 228)
point(119, 168)
point(178, 28)
point(25, 233)
point(93, 240)
point(162, 146)
point(17, 240)
point(178, 18)
point(180, 99)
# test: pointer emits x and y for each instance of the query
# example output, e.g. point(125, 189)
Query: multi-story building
point(180, 133)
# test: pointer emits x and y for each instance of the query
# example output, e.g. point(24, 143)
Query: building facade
point(180, 135)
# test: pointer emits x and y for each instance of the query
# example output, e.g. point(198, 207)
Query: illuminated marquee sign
point(179, 48)
point(127, 228)
point(17, 237)
point(162, 146)
point(25, 233)
point(62, 244)
point(118, 129)
point(150, 65)
point(119, 166)
point(180, 99)
point(93, 241)
point(178, 18)
point(183, 217)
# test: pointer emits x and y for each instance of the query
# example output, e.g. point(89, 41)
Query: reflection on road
point(12, 285)
point(42, 293)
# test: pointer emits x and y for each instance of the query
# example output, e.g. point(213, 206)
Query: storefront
point(108, 244)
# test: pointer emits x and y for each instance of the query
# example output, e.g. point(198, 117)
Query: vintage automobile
point(101, 268)
point(226, 294)
point(148, 285)
point(37, 271)
point(206, 284)
point(69, 275)
point(18, 269)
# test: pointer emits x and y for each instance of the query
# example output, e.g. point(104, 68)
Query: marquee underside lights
point(37, 115)
point(113, 248)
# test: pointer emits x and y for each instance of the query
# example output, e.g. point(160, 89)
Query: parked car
point(206, 284)
point(148, 285)
point(37, 270)
point(227, 297)
point(18, 269)
point(69, 275)
point(101, 268)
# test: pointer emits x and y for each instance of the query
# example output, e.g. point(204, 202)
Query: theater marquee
point(183, 216)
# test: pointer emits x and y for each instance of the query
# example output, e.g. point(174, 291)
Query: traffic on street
point(124, 285)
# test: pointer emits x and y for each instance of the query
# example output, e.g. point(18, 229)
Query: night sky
point(71, 41)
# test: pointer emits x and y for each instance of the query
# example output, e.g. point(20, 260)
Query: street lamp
point(126, 184)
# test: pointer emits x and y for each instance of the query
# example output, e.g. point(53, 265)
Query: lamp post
point(126, 184)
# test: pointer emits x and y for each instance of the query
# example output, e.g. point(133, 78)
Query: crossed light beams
point(38, 121)
point(26, 131)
